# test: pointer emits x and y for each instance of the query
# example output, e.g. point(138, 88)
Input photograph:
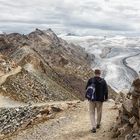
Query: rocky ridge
point(51, 69)
point(128, 122)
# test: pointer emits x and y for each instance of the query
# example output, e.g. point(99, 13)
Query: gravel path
point(73, 124)
point(13, 72)
point(6, 101)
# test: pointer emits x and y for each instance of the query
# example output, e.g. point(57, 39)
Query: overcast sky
point(83, 17)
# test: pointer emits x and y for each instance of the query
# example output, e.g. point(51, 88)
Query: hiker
point(96, 93)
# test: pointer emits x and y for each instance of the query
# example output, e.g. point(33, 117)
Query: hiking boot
point(98, 126)
point(93, 130)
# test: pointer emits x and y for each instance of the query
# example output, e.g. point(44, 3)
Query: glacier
point(118, 57)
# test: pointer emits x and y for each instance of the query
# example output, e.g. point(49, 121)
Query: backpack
point(90, 93)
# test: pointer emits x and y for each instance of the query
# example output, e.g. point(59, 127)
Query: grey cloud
point(106, 26)
point(123, 8)
point(65, 15)
point(51, 21)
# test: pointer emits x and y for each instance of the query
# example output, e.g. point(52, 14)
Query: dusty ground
point(73, 124)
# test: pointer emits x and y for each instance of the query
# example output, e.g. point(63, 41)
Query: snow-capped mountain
point(118, 57)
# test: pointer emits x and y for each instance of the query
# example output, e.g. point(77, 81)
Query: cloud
point(82, 17)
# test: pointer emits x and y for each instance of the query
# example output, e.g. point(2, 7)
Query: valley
point(118, 57)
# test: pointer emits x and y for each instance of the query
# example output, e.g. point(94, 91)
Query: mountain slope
point(51, 69)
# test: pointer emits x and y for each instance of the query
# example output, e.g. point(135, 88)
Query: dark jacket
point(101, 89)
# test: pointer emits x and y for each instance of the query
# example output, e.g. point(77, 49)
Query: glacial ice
point(120, 65)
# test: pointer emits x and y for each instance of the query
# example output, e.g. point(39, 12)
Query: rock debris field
point(71, 122)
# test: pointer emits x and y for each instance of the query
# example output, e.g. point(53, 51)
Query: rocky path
point(12, 72)
point(72, 124)
point(6, 101)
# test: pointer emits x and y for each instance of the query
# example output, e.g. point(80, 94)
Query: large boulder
point(127, 105)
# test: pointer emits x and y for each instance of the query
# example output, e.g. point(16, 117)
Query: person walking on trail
point(96, 93)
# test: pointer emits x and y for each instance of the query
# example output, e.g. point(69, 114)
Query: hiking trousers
point(93, 106)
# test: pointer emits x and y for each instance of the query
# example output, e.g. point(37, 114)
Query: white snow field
point(118, 57)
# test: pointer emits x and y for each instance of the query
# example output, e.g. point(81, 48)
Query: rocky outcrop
point(128, 121)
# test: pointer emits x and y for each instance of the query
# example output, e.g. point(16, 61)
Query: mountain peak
point(50, 30)
point(37, 32)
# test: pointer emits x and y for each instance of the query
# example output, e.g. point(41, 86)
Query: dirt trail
point(13, 72)
point(6, 101)
point(72, 124)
